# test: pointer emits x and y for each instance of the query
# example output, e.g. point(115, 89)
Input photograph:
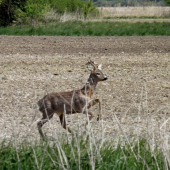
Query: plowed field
point(135, 97)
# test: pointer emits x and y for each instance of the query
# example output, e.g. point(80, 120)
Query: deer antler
point(90, 62)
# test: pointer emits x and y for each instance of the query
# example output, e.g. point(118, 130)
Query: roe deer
point(77, 101)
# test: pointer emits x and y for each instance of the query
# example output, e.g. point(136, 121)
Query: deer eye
point(98, 74)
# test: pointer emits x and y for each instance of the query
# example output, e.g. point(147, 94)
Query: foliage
point(33, 10)
point(73, 6)
point(167, 2)
point(30, 11)
point(7, 10)
point(80, 154)
point(88, 8)
point(92, 29)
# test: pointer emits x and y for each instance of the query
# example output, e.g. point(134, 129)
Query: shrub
point(167, 2)
point(73, 6)
point(7, 10)
point(34, 10)
point(30, 11)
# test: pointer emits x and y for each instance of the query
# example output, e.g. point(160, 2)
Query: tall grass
point(92, 29)
point(80, 153)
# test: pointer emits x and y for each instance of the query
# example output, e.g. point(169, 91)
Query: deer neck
point(89, 87)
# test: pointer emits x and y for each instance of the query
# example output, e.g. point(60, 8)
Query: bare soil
point(136, 96)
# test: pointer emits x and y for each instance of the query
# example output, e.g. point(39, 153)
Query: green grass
point(92, 29)
point(80, 154)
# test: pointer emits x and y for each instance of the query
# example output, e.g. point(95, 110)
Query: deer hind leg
point(63, 122)
point(92, 103)
point(47, 115)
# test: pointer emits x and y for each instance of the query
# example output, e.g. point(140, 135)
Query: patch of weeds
point(4, 78)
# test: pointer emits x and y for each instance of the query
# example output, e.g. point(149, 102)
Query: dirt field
point(137, 93)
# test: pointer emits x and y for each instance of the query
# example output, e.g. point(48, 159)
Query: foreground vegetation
point(81, 153)
point(79, 28)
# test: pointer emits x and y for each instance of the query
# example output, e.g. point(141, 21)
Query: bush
point(167, 2)
point(30, 11)
point(34, 10)
point(73, 6)
point(7, 10)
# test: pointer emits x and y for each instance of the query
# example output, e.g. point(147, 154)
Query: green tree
point(167, 2)
point(87, 8)
point(7, 10)
point(31, 11)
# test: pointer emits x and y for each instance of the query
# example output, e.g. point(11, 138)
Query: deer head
point(96, 73)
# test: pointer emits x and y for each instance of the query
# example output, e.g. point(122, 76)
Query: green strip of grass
point(79, 154)
point(92, 29)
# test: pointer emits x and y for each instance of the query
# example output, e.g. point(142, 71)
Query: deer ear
point(90, 67)
point(100, 66)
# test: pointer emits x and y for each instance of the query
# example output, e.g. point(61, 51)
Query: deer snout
point(105, 78)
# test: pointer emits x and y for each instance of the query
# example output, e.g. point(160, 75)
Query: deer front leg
point(45, 119)
point(63, 123)
point(92, 103)
point(91, 115)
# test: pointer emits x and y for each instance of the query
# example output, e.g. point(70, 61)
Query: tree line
point(28, 10)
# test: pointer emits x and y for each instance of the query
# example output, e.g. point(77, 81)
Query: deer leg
point(92, 103)
point(91, 115)
point(46, 117)
point(63, 122)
